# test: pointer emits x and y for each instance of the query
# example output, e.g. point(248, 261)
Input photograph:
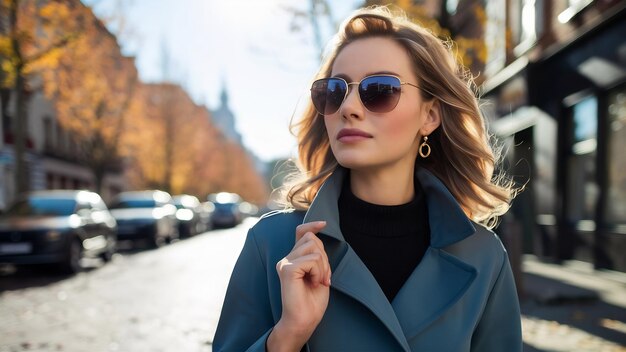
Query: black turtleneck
point(390, 240)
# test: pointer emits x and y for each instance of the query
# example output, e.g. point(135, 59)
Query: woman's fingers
point(314, 227)
point(308, 267)
point(309, 243)
point(308, 259)
point(301, 273)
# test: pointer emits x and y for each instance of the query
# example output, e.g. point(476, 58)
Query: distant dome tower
point(224, 118)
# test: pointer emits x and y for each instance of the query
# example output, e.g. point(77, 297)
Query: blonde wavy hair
point(462, 157)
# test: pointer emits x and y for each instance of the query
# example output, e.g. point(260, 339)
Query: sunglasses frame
point(348, 84)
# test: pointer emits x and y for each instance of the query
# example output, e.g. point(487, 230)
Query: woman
point(387, 247)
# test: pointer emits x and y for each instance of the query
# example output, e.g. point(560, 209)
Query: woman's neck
point(387, 186)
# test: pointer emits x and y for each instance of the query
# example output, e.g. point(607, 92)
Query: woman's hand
point(305, 286)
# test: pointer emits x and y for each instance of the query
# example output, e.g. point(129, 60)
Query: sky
point(246, 46)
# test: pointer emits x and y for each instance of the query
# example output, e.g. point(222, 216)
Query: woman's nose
point(351, 106)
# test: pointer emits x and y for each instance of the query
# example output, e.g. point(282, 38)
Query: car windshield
point(133, 203)
point(35, 206)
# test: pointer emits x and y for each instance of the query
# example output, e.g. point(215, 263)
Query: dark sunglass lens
point(335, 93)
point(318, 94)
point(380, 93)
point(327, 95)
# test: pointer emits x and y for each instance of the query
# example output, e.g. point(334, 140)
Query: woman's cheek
point(401, 130)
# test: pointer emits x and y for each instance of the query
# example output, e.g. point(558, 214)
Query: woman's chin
point(354, 162)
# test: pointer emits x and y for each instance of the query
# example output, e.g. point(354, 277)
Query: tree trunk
point(22, 176)
point(169, 151)
point(20, 130)
point(98, 174)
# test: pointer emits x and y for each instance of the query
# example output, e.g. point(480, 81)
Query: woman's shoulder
point(483, 248)
point(487, 238)
point(277, 226)
point(280, 218)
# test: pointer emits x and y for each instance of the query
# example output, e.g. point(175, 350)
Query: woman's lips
point(347, 135)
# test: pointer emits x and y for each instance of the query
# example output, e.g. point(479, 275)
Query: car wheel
point(107, 255)
point(71, 264)
point(173, 236)
point(156, 241)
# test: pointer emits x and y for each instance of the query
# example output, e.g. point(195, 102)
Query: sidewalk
point(571, 307)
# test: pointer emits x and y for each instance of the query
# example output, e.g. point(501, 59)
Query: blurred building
point(553, 84)
point(224, 118)
point(53, 159)
point(555, 94)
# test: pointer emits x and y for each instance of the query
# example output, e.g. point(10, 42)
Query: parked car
point(206, 214)
point(145, 215)
point(248, 209)
point(188, 214)
point(227, 212)
point(57, 227)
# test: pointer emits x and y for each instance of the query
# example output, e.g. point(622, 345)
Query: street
point(170, 299)
point(157, 300)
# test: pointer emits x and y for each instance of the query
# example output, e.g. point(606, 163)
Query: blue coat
point(461, 297)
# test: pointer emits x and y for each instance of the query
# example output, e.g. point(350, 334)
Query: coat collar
point(448, 223)
point(438, 282)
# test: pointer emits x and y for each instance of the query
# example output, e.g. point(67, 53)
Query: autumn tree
point(36, 33)
point(92, 87)
point(238, 174)
point(462, 21)
point(204, 162)
point(171, 144)
point(167, 136)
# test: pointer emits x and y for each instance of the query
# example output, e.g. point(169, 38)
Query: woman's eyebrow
point(342, 75)
point(382, 73)
point(348, 79)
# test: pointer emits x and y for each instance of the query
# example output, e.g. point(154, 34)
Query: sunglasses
point(378, 93)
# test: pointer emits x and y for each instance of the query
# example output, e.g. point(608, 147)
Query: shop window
point(73, 149)
point(60, 139)
point(62, 184)
point(616, 188)
point(525, 24)
point(47, 130)
point(582, 186)
point(574, 7)
point(545, 157)
point(451, 6)
point(495, 36)
point(50, 181)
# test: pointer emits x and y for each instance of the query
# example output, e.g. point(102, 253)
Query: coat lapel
point(438, 282)
point(435, 285)
point(352, 278)
point(349, 275)
point(440, 279)
point(448, 222)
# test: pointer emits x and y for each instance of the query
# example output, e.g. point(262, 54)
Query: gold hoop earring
point(424, 154)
